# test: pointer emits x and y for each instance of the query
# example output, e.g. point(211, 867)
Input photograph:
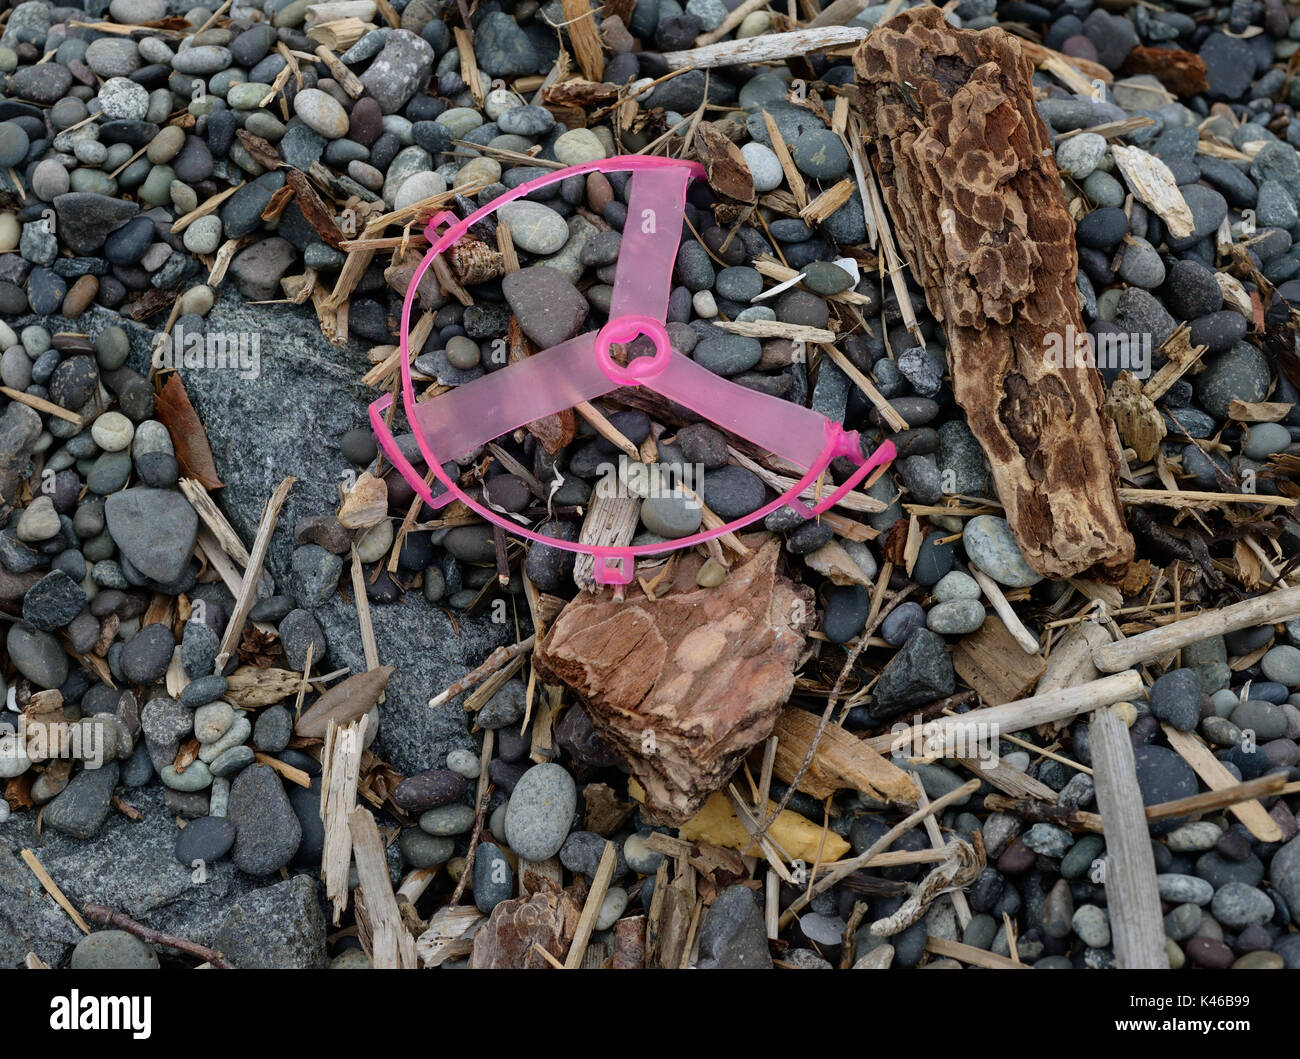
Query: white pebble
point(705, 306)
point(764, 166)
point(112, 432)
point(498, 101)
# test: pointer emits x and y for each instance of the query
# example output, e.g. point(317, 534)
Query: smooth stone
point(991, 546)
point(540, 812)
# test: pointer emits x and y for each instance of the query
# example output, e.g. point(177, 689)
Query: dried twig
point(108, 917)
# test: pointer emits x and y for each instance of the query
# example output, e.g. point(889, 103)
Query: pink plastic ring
point(639, 369)
point(583, 369)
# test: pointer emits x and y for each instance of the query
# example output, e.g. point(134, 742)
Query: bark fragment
point(683, 685)
point(973, 191)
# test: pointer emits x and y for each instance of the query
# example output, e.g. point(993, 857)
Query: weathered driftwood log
point(683, 685)
point(972, 187)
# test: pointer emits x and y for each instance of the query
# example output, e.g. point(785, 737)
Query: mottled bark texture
point(972, 188)
point(682, 686)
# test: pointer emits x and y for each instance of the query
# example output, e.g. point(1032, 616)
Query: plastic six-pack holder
point(582, 369)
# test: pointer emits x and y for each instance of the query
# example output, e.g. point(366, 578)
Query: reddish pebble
point(78, 299)
point(1206, 952)
point(1017, 859)
point(600, 192)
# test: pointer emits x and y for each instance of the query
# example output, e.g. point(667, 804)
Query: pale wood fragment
point(1136, 919)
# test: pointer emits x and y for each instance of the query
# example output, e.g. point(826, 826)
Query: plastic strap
point(643, 277)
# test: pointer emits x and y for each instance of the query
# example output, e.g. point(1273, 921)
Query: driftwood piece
point(1215, 775)
point(992, 662)
point(341, 766)
point(1017, 716)
point(683, 685)
point(1276, 606)
point(970, 181)
point(842, 761)
point(1136, 921)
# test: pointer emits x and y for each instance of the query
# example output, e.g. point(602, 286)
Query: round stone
point(534, 227)
point(764, 166)
point(417, 188)
point(991, 546)
point(671, 515)
point(446, 821)
point(112, 431)
point(955, 618)
point(1080, 155)
point(13, 144)
point(540, 813)
point(321, 112)
point(463, 762)
point(205, 840)
point(579, 146)
point(955, 585)
point(1282, 664)
point(113, 950)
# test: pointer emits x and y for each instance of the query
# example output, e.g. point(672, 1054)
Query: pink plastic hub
point(584, 368)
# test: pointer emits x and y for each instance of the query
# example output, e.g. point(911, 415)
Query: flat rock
point(154, 529)
point(280, 926)
point(548, 306)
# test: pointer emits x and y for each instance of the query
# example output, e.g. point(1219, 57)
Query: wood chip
point(1154, 186)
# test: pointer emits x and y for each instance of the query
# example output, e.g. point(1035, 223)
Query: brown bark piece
point(682, 686)
point(973, 190)
point(727, 170)
point(1182, 72)
point(508, 939)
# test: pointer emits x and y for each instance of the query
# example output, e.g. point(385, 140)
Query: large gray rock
point(128, 865)
point(280, 926)
point(308, 388)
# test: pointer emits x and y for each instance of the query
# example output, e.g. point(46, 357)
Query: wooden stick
point(1195, 498)
point(606, 429)
point(1262, 610)
point(289, 772)
point(973, 956)
point(498, 658)
point(1220, 797)
point(52, 888)
point(1024, 713)
point(341, 767)
point(1215, 776)
point(887, 411)
point(1136, 922)
point(392, 944)
point(40, 404)
point(993, 592)
point(768, 48)
point(110, 918)
point(207, 510)
point(847, 867)
point(362, 602)
point(252, 573)
point(591, 909)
